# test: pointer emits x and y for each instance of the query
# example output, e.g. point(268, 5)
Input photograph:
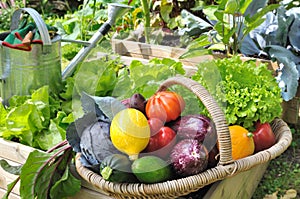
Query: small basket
point(226, 167)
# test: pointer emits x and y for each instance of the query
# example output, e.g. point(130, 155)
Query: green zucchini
point(117, 168)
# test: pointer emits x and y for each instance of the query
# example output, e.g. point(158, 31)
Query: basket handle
point(43, 30)
point(213, 108)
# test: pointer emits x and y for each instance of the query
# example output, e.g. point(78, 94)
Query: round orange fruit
point(242, 142)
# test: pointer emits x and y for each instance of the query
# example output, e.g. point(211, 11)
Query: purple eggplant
point(189, 157)
point(197, 127)
point(136, 101)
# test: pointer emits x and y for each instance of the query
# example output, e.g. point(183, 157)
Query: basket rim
point(192, 183)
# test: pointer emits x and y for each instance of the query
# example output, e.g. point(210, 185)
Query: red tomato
point(155, 125)
point(161, 143)
point(263, 137)
point(165, 105)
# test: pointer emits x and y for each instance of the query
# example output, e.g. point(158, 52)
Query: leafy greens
point(246, 92)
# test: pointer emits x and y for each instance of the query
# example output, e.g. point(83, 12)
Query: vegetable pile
point(145, 131)
point(151, 141)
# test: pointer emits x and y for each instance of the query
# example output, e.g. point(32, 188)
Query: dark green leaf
point(219, 16)
point(253, 25)
point(227, 36)
point(68, 185)
point(41, 170)
point(261, 13)
point(32, 169)
point(9, 168)
point(201, 41)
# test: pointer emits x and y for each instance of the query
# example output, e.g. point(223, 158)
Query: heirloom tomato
point(165, 105)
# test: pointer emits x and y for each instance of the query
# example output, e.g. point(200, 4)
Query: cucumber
point(151, 169)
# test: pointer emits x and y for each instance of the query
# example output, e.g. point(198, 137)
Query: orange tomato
point(242, 142)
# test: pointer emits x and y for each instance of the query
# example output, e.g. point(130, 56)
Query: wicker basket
point(183, 186)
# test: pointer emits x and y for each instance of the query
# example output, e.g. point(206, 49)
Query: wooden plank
point(11, 196)
point(150, 51)
point(6, 178)
point(240, 186)
point(14, 151)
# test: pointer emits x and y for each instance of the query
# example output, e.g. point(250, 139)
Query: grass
point(283, 173)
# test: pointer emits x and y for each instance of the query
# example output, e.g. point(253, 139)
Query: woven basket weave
point(226, 167)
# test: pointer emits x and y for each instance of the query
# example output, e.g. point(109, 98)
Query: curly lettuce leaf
point(244, 91)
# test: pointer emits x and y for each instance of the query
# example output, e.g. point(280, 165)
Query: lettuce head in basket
point(246, 92)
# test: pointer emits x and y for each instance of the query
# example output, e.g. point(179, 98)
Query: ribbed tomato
point(165, 105)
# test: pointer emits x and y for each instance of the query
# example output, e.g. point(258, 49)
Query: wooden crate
point(16, 154)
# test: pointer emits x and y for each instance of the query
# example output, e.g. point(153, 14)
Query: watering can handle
point(43, 30)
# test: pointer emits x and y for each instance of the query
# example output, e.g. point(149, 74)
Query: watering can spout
point(115, 10)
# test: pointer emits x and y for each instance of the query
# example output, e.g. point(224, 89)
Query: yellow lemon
point(130, 132)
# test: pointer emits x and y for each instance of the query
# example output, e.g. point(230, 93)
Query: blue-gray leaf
point(290, 74)
point(294, 33)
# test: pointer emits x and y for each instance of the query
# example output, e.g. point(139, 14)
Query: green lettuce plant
point(246, 92)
